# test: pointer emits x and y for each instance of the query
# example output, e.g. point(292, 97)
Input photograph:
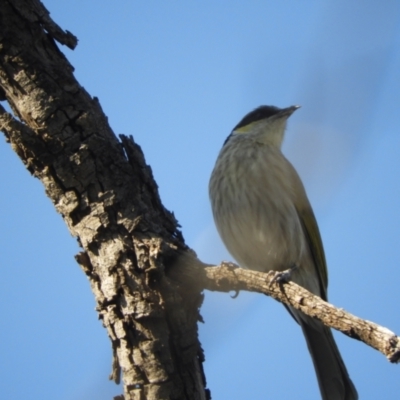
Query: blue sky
point(178, 76)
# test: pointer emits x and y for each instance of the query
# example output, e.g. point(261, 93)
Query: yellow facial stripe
point(246, 128)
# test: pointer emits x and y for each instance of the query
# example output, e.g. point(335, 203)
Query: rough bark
point(107, 196)
point(146, 282)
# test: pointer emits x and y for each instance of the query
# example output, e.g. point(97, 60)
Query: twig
point(228, 276)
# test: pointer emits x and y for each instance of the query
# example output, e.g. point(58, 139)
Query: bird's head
point(265, 124)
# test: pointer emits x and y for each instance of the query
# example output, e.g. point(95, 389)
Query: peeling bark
point(107, 196)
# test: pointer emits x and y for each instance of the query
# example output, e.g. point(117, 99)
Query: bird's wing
point(311, 231)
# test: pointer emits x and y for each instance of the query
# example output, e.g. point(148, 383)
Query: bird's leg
point(284, 276)
point(231, 265)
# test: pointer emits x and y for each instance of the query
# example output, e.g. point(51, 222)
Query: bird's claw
point(283, 276)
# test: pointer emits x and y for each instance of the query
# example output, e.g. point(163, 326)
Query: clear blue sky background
point(178, 76)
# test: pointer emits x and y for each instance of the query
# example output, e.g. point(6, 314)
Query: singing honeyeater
point(266, 222)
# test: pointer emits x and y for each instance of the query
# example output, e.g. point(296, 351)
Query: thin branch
point(228, 277)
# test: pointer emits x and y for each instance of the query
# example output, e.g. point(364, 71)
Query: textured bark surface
point(107, 196)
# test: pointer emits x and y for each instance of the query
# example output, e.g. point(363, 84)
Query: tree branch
point(229, 277)
point(107, 197)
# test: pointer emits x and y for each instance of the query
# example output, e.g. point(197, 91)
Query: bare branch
point(229, 277)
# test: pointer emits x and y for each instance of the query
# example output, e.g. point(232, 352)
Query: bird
point(263, 216)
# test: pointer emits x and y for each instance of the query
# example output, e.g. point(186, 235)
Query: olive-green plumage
point(264, 218)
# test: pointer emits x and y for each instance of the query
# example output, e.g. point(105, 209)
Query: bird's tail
point(333, 378)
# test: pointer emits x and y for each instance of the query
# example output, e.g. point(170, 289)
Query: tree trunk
point(107, 196)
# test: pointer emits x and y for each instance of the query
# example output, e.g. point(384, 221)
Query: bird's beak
point(287, 112)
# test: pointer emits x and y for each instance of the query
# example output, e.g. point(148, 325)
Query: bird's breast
point(255, 213)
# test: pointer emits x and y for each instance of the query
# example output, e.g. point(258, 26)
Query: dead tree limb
point(229, 277)
point(107, 196)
